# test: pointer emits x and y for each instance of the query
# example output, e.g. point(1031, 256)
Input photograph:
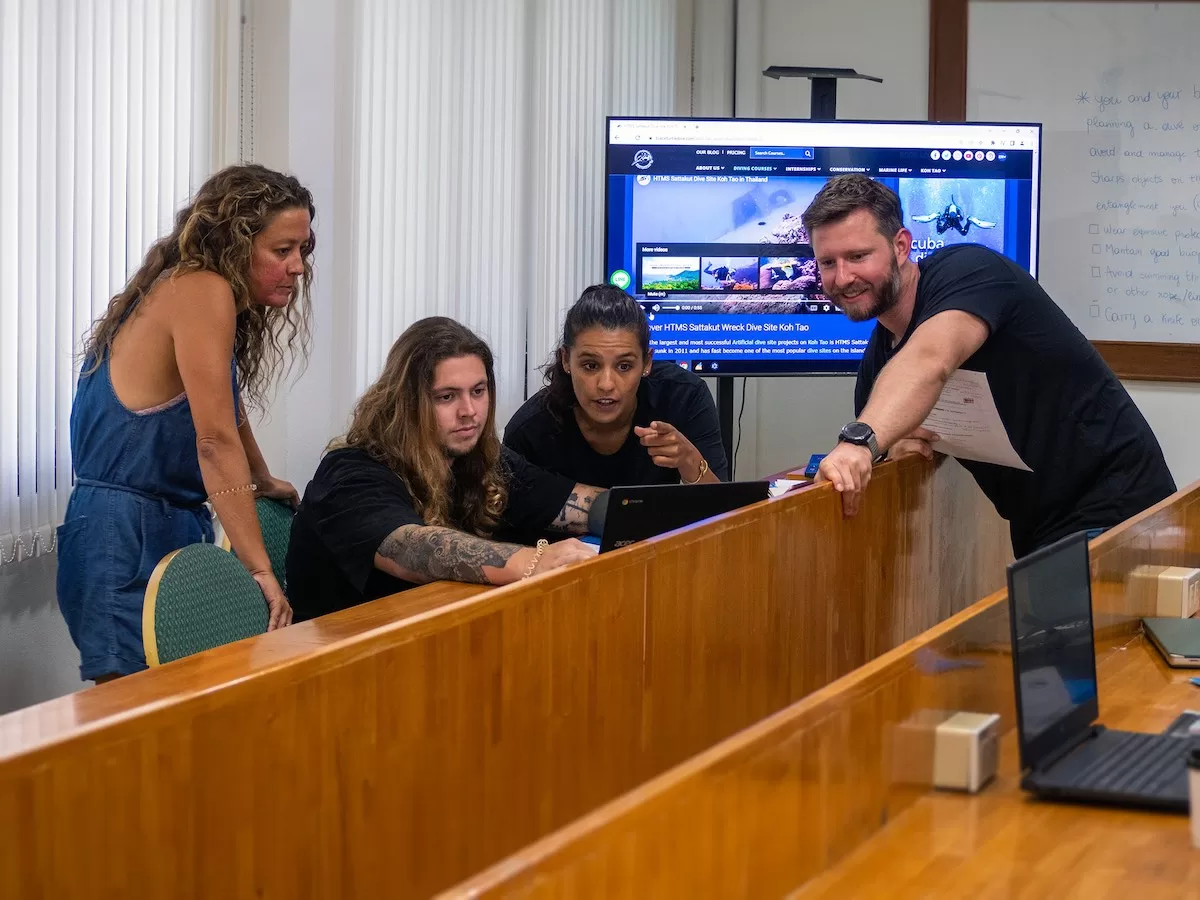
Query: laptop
point(1178, 640)
point(1065, 753)
point(626, 515)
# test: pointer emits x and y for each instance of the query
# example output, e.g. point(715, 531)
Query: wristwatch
point(860, 433)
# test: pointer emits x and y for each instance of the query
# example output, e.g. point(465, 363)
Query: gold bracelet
point(235, 490)
point(542, 544)
point(703, 469)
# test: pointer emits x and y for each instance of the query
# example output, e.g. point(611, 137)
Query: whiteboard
point(1116, 87)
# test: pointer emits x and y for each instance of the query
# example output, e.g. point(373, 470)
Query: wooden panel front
point(789, 798)
point(405, 759)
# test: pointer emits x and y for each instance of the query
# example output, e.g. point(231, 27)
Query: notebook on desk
point(625, 515)
point(1065, 752)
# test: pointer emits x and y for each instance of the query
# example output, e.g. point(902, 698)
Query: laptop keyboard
point(1136, 763)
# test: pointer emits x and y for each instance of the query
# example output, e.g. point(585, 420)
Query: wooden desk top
point(1003, 843)
point(26, 730)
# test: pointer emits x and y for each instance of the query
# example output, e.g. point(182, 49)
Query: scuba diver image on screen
point(729, 273)
point(952, 217)
point(944, 211)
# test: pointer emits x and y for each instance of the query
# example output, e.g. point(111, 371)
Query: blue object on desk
point(1195, 681)
point(814, 463)
point(591, 539)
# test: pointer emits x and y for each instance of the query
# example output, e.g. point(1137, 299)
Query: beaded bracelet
point(542, 544)
point(234, 490)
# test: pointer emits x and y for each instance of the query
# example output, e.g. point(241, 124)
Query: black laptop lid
point(636, 513)
point(1054, 658)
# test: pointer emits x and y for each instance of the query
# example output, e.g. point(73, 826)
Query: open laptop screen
point(1054, 659)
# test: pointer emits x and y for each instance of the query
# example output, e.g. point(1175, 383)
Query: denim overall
point(138, 496)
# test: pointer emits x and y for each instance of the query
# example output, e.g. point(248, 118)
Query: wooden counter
point(403, 759)
point(833, 794)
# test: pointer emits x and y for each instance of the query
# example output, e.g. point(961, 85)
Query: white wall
point(38, 661)
point(1172, 411)
point(301, 66)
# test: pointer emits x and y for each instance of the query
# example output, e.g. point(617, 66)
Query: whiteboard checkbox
point(1095, 271)
point(1095, 248)
point(1094, 309)
point(1093, 229)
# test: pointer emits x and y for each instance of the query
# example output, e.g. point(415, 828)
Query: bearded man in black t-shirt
point(1094, 460)
point(420, 489)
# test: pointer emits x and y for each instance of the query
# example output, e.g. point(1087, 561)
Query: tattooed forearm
point(425, 553)
point(573, 518)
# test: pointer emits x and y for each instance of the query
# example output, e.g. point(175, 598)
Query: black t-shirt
point(353, 502)
point(1095, 460)
point(669, 393)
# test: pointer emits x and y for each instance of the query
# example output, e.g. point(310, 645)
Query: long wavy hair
point(394, 422)
point(215, 233)
point(601, 305)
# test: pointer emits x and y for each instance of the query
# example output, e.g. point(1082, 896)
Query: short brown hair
point(845, 194)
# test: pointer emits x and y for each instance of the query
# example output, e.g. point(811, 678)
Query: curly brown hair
point(394, 422)
point(215, 233)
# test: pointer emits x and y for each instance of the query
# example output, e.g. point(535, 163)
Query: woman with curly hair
point(158, 426)
point(420, 489)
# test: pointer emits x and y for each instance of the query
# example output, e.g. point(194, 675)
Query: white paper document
point(966, 419)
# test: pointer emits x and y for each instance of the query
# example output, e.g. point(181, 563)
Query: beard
point(887, 295)
point(461, 451)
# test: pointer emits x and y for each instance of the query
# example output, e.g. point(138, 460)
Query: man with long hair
point(420, 488)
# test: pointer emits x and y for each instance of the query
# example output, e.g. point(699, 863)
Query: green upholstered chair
point(275, 522)
point(199, 597)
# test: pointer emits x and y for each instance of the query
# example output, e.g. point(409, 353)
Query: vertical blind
point(478, 163)
point(106, 128)
point(440, 175)
point(595, 59)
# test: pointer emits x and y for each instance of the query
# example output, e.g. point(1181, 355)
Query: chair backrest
point(275, 523)
point(199, 597)
point(275, 520)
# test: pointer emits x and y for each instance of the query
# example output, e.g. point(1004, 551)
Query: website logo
point(642, 159)
point(643, 180)
point(620, 278)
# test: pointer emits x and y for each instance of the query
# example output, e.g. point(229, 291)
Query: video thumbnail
point(789, 273)
point(670, 273)
point(729, 273)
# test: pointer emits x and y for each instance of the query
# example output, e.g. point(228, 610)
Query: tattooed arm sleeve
point(573, 517)
point(424, 553)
